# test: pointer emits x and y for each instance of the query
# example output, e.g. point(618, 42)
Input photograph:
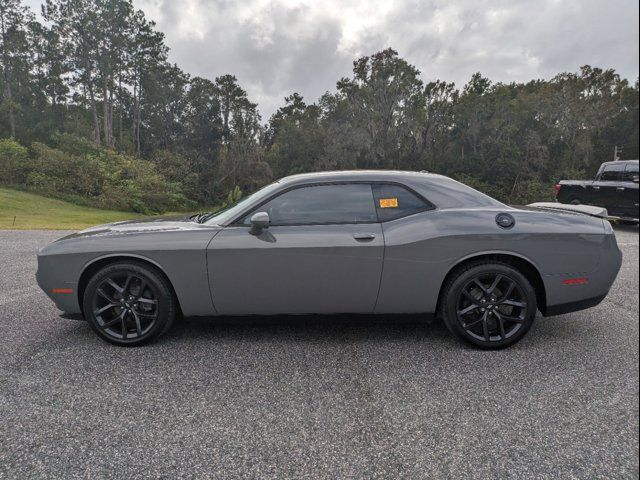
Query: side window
point(612, 173)
point(630, 172)
point(394, 201)
point(321, 204)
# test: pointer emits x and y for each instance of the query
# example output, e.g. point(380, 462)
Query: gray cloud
point(276, 47)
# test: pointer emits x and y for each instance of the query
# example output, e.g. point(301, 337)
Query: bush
point(85, 174)
point(532, 191)
point(514, 193)
point(495, 191)
point(14, 162)
point(69, 174)
point(74, 145)
point(179, 170)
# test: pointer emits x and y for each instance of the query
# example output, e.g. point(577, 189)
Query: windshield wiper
point(204, 216)
point(200, 217)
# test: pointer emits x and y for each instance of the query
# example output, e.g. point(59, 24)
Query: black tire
point(129, 303)
point(484, 318)
point(575, 201)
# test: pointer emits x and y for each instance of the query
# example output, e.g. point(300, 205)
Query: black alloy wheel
point(490, 305)
point(129, 304)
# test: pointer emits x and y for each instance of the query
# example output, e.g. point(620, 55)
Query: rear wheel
point(489, 304)
point(129, 303)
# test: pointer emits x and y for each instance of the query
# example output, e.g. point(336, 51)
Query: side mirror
point(636, 179)
point(259, 220)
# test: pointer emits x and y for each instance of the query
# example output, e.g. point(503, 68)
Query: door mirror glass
point(259, 220)
point(636, 179)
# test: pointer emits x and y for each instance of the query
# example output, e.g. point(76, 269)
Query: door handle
point(364, 236)
point(620, 189)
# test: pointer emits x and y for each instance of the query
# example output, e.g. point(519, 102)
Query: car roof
point(357, 175)
point(441, 191)
point(616, 162)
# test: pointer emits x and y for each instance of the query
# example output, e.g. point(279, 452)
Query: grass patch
point(37, 212)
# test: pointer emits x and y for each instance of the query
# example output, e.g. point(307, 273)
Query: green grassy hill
point(37, 212)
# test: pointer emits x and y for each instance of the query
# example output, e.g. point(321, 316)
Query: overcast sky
point(276, 47)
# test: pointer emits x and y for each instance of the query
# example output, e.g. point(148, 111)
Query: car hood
point(141, 226)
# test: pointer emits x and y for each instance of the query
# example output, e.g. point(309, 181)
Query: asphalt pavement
point(314, 397)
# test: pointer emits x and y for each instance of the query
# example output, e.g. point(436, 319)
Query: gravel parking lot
point(315, 397)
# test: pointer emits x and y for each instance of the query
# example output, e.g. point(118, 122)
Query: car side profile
point(375, 242)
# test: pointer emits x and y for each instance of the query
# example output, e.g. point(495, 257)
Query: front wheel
point(129, 303)
point(489, 304)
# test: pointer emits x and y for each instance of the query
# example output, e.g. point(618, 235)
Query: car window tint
point(612, 173)
point(349, 203)
point(630, 172)
point(394, 201)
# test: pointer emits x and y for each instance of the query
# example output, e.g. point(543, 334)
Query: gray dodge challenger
point(374, 242)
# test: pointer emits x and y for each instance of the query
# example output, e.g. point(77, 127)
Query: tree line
point(92, 110)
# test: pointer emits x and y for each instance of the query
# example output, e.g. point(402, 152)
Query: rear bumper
point(573, 306)
point(564, 296)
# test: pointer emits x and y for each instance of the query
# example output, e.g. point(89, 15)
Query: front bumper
point(53, 282)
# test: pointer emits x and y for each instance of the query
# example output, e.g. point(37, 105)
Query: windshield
point(231, 211)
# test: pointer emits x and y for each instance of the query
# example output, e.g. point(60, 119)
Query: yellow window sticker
point(389, 203)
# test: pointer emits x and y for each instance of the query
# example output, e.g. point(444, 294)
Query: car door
point(604, 191)
point(322, 253)
point(411, 279)
point(628, 191)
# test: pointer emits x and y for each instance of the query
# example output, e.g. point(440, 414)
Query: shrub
point(513, 193)
point(80, 172)
point(532, 191)
point(74, 175)
point(179, 170)
point(14, 162)
point(492, 190)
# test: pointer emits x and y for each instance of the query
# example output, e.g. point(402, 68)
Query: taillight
point(557, 188)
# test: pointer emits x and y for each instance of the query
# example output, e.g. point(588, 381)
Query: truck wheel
point(575, 201)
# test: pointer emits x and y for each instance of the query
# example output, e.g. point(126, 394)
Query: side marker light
point(62, 290)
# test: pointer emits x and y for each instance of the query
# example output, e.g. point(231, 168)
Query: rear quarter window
point(395, 201)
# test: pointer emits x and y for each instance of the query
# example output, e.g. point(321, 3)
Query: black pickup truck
point(614, 188)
